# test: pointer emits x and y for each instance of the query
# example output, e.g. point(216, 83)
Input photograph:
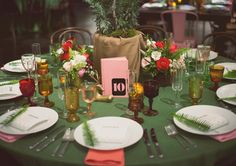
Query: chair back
point(181, 23)
point(155, 32)
point(82, 36)
point(224, 43)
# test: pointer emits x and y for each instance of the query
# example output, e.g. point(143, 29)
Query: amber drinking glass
point(195, 88)
point(89, 92)
point(151, 90)
point(135, 104)
point(42, 66)
point(46, 88)
point(27, 88)
point(216, 74)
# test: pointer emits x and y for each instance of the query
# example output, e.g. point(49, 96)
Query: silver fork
point(64, 137)
point(67, 140)
point(173, 133)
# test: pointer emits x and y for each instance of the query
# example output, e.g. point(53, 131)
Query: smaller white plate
point(186, 7)
point(227, 91)
point(133, 133)
point(51, 115)
point(154, 5)
point(9, 91)
point(213, 54)
point(228, 66)
point(198, 110)
point(14, 66)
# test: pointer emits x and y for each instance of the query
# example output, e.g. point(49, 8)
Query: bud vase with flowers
point(159, 57)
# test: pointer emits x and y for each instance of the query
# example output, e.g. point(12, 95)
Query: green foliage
point(230, 74)
point(88, 134)
point(9, 82)
point(115, 15)
point(13, 116)
point(193, 122)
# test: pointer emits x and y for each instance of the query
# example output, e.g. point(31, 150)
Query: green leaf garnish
point(13, 116)
point(9, 82)
point(192, 121)
point(230, 74)
point(89, 134)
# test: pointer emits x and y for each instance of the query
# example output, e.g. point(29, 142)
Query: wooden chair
point(222, 42)
point(182, 24)
point(155, 32)
point(82, 36)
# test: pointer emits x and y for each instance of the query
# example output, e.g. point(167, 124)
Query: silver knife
point(45, 137)
point(50, 140)
point(156, 143)
point(147, 143)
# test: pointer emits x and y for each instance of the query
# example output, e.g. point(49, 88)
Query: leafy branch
point(9, 82)
point(89, 135)
point(13, 116)
point(192, 121)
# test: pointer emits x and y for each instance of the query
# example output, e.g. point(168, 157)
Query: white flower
point(60, 51)
point(156, 55)
point(145, 61)
point(68, 66)
point(151, 43)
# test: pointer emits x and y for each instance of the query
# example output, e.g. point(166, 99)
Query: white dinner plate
point(14, 66)
point(198, 110)
point(213, 54)
point(228, 66)
point(154, 5)
point(186, 7)
point(123, 133)
point(9, 91)
point(227, 91)
point(51, 115)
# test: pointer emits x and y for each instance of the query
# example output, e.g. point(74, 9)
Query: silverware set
point(185, 142)
point(155, 142)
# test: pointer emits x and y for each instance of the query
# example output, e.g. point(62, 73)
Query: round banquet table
point(208, 153)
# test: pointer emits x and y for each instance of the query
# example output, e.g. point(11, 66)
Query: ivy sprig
point(192, 121)
point(13, 116)
point(89, 134)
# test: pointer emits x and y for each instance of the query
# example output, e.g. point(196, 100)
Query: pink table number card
point(115, 75)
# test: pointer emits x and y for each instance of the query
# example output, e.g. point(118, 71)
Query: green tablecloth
point(208, 152)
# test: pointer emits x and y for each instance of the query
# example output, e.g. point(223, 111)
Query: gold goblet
point(46, 88)
point(195, 88)
point(216, 74)
point(89, 93)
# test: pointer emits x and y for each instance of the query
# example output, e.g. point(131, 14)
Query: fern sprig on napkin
point(192, 121)
point(89, 135)
point(9, 82)
point(13, 116)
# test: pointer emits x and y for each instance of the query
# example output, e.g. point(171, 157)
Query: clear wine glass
point(151, 90)
point(28, 62)
point(45, 86)
point(177, 84)
point(61, 76)
point(89, 92)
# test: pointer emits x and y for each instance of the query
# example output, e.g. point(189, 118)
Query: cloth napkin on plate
point(225, 137)
point(105, 158)
point(10, 138)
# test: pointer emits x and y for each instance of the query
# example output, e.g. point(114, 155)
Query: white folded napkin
point(111, 133)
point(214, 121)
point(27, 121)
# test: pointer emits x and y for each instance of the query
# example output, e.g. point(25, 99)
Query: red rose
point(86, 55)
point(68, 44)
point(160, 44)
point(65, 57)
point(163, 63)
point(173, 48)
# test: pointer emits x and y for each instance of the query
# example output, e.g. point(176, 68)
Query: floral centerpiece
point(76, 60)
point(161, 57)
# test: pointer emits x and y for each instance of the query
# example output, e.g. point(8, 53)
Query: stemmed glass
point(61, 76)
point(177, 84)
point(216, 74)
point(28, 62)
point(27, 88)
point(45, 86)
point(189, 55)
point(89, 92)
point(195, 88)
point(151, 90)
point(202, 55)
